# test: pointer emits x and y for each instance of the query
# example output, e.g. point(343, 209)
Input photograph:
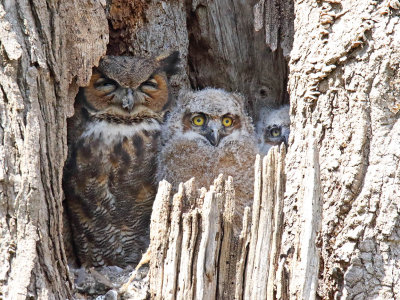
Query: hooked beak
point(213, 136)
point(285, 140)
point(129, 100)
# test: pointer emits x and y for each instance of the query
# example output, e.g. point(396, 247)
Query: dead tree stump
point(195, 252)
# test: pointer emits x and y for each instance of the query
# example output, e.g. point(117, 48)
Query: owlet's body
point(208, 133)
point(109, 178)
point(273, 128)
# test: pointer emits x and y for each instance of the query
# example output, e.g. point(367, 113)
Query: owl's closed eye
point(130, 84)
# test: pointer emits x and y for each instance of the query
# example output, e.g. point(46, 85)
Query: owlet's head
point(273, 127)
point(212, 115)
point(128, 85)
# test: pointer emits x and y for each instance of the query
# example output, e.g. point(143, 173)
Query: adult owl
point(109, 177)
point(207, 133)
point(273, 127)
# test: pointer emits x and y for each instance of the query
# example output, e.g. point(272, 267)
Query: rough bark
point(343, 187)
point(47, 49)
point(335, 233)
point(226, 52)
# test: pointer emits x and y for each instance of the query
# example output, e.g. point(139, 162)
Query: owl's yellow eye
point(275, 132)
point(198, 120)
point(227, 121)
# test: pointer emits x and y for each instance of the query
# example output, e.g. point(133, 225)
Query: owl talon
point(145, 260)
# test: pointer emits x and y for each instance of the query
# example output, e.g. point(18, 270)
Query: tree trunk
point(195, 253)
point(46, 51)
point(342, 199)
point(335, 232)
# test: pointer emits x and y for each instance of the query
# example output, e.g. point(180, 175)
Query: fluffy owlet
point(207, 133)
point(273, 128)
point(109, 178)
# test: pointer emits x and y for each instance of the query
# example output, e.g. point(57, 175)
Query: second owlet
point(109, 177)
point(207, 133)
point(273, 127)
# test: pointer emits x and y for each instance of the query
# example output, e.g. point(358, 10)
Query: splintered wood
point(197, 254)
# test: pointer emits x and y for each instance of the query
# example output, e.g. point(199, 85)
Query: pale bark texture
point(341, 232)
point(195, 253)
point(47, 49)
point(325, 219)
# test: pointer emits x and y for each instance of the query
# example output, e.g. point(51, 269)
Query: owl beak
point(285, 138)
point(213, 136)
point(129, 100)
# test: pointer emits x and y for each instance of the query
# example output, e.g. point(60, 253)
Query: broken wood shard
point(196, 251)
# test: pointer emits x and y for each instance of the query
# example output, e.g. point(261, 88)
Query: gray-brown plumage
point(207, 133)
point(109, 178)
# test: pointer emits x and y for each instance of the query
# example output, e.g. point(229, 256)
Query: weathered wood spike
point(200, 255)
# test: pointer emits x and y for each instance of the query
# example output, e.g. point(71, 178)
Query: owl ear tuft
point(169, 62)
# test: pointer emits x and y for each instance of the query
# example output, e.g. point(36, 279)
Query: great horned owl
point(109, 177)
point(207, 133)
point(273, 127)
